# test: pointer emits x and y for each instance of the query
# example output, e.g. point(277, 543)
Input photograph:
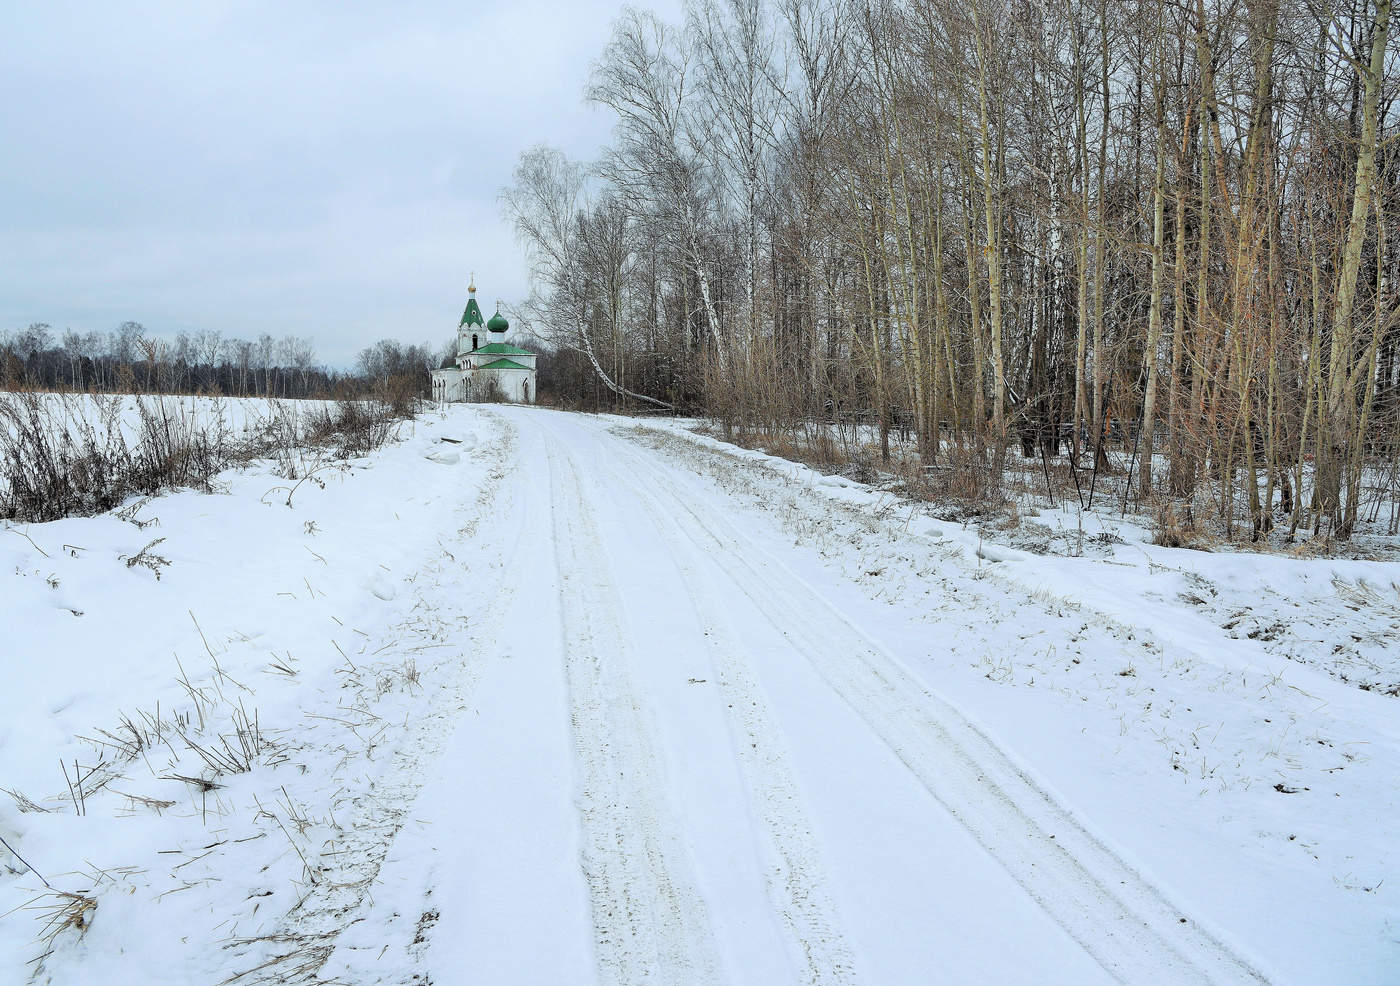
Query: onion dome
point(498, 322)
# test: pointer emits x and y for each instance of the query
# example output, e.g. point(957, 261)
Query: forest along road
point(690, 768)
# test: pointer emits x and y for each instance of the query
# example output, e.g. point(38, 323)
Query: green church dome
point(498, 323)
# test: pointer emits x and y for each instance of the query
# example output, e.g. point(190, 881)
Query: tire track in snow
point(651, 924)
point(1114, 912)
point(796, 880)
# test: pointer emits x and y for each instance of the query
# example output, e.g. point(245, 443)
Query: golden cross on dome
point(472, 285)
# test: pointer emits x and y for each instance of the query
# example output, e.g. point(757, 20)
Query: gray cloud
point(322, 169)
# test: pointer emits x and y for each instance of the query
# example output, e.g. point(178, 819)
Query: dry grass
point(64, 910)
point(1177, 529)
point(146, 558)
point(965, 485)
point(65, 455)
point(58, 911)
point(22, 802)
point(961, 479)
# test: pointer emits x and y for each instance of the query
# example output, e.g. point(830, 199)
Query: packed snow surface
point(530, 697)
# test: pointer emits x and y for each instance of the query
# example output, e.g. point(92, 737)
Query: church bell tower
point(471, 331)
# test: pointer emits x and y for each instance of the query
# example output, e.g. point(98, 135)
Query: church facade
point(486, 367)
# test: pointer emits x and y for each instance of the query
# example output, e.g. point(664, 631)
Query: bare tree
point(1069, 220)
point(645, 77)
point(575, 254)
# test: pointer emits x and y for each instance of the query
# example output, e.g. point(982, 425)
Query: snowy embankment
point(193, 734)
point(1336, 614)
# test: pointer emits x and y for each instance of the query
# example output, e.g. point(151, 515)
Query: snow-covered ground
point(240, 416)
point(582, 699)
point(63, 454)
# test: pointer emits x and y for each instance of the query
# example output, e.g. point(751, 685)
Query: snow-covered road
point(760, 793)
point(534, 697)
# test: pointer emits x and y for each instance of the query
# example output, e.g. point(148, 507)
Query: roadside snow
point(232, 717)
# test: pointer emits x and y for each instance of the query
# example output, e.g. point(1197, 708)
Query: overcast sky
point(313, 168)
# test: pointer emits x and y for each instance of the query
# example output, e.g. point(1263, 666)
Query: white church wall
point(447, 385)
point(515, 383)
point(515, 386)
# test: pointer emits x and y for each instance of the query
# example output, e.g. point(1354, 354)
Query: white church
point(485, 368)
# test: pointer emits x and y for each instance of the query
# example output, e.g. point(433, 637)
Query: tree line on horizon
point(131, 359)
point(1047, 228)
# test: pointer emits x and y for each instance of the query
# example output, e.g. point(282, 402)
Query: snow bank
point(223, 678)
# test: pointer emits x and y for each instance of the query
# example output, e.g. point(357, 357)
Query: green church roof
point(503, 349)
point(498, 323)
point(472, 316)
point(502, 364)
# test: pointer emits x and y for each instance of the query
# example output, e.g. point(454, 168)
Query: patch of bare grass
point(1177, 528)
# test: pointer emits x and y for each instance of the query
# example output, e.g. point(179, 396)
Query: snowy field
point(124, 412)
point(67, 455)
point(586, 700)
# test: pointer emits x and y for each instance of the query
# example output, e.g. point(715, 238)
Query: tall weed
point(67, 455)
